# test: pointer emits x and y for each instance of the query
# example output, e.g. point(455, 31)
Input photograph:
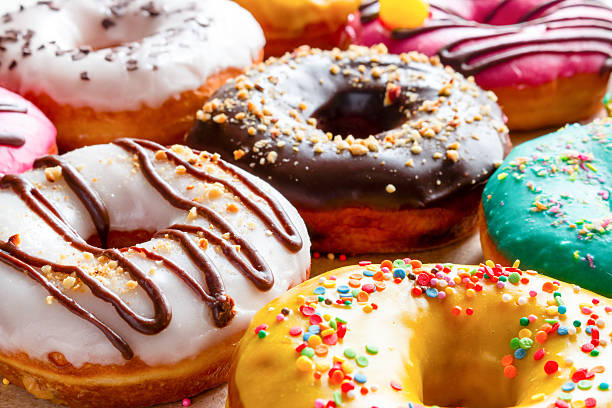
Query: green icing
point(550, 205)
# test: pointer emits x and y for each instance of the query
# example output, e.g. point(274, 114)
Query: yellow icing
point(289, 18)
point(436, 356)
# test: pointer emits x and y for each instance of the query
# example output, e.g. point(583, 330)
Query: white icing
point(28, 324)
point(175, 51)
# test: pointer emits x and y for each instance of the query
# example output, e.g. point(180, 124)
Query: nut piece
point(53, 173)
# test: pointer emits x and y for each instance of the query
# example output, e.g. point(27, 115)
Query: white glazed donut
point(124, 68)
point(149, 322)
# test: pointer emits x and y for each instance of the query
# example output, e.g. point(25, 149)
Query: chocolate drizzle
point(490, 45)
point(7, 139)
point(247, 260)
point(89, 197)
point(10, 139)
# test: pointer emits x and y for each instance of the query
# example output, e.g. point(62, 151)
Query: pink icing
point(520, 72)
point(38, 131)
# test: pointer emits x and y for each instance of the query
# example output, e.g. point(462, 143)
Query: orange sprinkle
point(510, 371)
point(507, 360)
point(378, 276)
point(380, 286)
point(362, 297)
point(321, 350)
point(356, 276)
point(541, 337)
point(415, 264)
point(386, 263)
point(548, 287)
point(354, 283)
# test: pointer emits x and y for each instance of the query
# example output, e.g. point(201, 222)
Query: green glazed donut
point(549, 204)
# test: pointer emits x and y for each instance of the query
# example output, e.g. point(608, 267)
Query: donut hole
point(359, 113)
point(464, 380)
point(122, 239)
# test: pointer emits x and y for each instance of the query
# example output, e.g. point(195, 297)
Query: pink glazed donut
point(25, 134)
point(548, 61)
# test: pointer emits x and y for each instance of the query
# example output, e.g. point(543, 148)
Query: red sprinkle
point(368, 288)
point(315, 319)
point(469, 311)
point(260, 328)
point(561, 404)
point(539, 354)
point(307, 310)
point(295, 331)
point(579, 375)
point(590, 402)
point(416, 291)
point(587, 348)
point(396, 386)
point(551, 367)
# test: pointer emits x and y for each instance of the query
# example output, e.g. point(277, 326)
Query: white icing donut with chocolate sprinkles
point(117, 56)
point(133, 261)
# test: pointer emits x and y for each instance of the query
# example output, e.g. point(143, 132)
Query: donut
point(135, 269)
point(25, 133)
point(102, 70)
point(362, 142)
point(548, 61)
point(549, 205)
point(403, 334)
point(317, 23)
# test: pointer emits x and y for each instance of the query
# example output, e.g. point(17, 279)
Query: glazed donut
point(107, 69)
point(410, 335)
point(187, 249)
point(362, 142)
point(548, 61)
point(317, 23)
point(25, 133)
point(549, 205)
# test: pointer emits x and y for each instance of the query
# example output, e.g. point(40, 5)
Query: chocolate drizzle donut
point(357, 129)
point(247, 259)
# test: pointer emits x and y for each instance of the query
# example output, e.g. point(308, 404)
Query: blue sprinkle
point(399, 273)
point(588, 329)
point(562, 331)
point(562, 309)
point(360, 378)
point(568, 386)
point(368, 273)
point(432, 292)
point(320, 290)
point(314, 329)
point(306, 336)
point(343, 289)
point(520, 353)
point(346, 295)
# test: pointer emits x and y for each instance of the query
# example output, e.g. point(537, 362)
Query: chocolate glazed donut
point(378, 152)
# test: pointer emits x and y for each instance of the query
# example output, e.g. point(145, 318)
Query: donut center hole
point(122, 239)
point(459, 383)
point(359, 113)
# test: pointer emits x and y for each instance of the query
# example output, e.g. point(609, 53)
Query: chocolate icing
point(247, 260)
point(490, 45)
point(10, 139)
point(283, 152)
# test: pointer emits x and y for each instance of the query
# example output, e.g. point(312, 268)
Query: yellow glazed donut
point(402, 334)
point(317, 23)
point(107, 69)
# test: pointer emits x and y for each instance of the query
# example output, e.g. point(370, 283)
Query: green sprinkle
point(526, 343)
point(333, 324)
point(577, 323)
point(350, 353)
point(515, 343)
point(262, 334)
point(503, 279)
point(514, 277)
point(551, 321)
point(594, 352)
point(308, 352)
point(339, 320)
point(362, 361)
point(524, 321)
point(585, 384)
point(338, 397)
point(371, 349)
point(565, 396)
